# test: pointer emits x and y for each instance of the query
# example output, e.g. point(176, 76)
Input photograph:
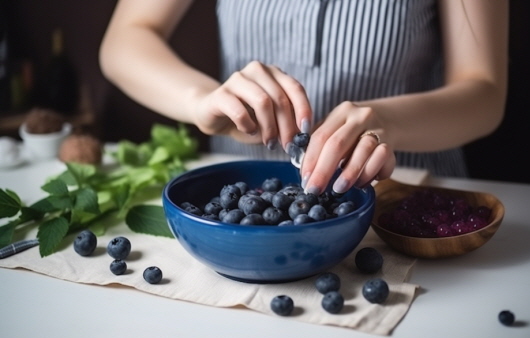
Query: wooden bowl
point(389, 193)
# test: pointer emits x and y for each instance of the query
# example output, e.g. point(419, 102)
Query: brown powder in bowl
point(43, 121)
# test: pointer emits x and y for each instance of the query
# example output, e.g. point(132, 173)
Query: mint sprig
point(87, 196)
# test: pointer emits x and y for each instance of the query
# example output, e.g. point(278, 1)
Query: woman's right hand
point(259, 103)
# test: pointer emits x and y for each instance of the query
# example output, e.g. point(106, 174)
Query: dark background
point(499, 156)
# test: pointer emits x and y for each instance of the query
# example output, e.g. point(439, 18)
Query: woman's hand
point(353, 139)
point(260, 103)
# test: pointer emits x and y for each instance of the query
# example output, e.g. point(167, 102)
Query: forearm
point(165, 83)
point(448, 117)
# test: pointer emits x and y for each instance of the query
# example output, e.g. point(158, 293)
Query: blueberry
point(229, 200)
point(327, 282)
point(311, 199)
point(254, 205)
point(302, 219)
point(119, 248)
point(192, 209)
point(318, 212)
point(292, 190)
point(243, 187)
point(242, 200)
point(344, 208)
point(118, 267)
point(212, 217)
point(286, 222)
point(298, 207)
point(368, 260)
point(230, 188)
point(301, 140)
point(282, 200)
point(271, 184)
point(282, 305)
point(153, 275)
point(375, 290)
point(213, 208)
point(333, 302)
point(223, 213)
point(274, 216)
point(85, 243)
point(233, 216)
point(253, 219)
point(267, 196)
point(506, 317)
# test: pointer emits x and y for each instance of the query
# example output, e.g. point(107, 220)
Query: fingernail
point(340, 185)
point(306, 126)
point(271, 144)
point(313, 190)
point(304, 180)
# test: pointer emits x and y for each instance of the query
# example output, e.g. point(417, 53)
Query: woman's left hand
point(353, 139)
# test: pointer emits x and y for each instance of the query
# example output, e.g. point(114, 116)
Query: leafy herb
point(83, 195)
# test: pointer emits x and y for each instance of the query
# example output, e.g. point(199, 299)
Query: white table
point(459, 298)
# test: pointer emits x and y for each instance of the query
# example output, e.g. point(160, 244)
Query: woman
point(373, 81)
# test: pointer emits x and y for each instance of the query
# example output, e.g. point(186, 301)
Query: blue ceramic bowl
point(261, 254)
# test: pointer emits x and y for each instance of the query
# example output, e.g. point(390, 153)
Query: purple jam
point(431, 213)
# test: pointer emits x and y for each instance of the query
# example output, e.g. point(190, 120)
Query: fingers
point(342, 141)
point(262, 99)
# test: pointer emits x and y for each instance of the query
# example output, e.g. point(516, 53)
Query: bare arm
point(135, 56)
point(470, 105)
point(260, 103)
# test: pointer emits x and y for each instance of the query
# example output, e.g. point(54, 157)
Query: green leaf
point(81, 172)
point(57, 203)
point(9, 203)
point(50, 235)
point(148, 219)
point(159, 155)
point(6, 233)
point(56, 187)
point(86, 200)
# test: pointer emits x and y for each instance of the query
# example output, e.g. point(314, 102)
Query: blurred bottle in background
point(58, 88)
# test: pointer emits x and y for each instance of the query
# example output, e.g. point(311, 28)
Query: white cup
point(43, 146)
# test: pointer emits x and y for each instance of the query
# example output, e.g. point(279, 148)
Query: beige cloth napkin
point(186, 279)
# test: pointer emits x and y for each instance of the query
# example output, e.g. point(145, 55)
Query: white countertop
point(459, 297)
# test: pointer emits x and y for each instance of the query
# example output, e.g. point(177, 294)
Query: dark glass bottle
point(58, 88)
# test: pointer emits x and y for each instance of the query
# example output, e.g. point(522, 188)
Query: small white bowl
point(43, 146)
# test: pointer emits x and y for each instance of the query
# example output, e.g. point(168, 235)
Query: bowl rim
point(65, 130)
point(369, 190)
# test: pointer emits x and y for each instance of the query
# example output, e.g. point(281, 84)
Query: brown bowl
point(389, 193)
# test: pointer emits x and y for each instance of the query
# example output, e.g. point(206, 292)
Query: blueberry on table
point(327, 282)
point(153, 275)
point(118, 267)
point(506, 317)
point(368, 260)
point(333, 302)
point(376, 291)
point(85, 243)
point(119, 248)
point(282, 305)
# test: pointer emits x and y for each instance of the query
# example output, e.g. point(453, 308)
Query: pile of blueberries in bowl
point(250, 221)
